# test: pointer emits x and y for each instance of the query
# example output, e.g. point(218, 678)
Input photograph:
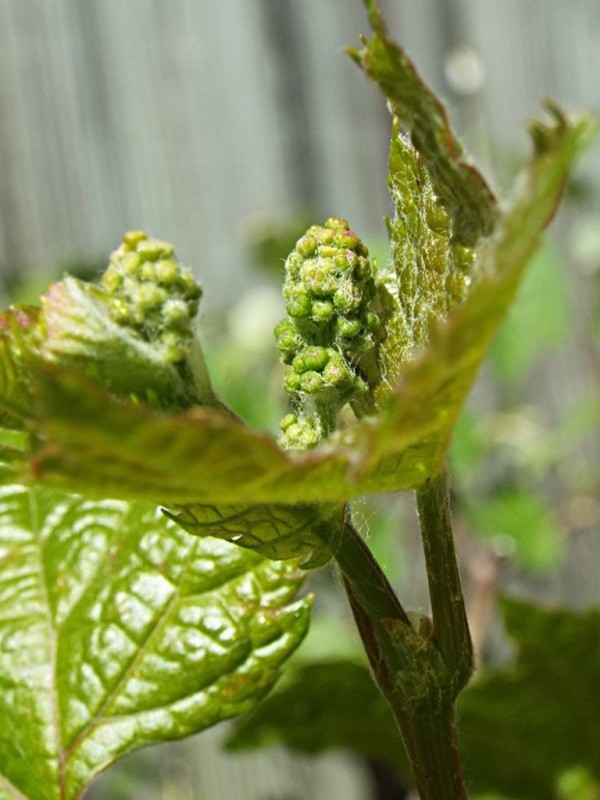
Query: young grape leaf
point(431, 271)
point(97, 443)
point(78, 330)
point(119, 630)
point(461, 189)
point(311, 533)
point(16, 325)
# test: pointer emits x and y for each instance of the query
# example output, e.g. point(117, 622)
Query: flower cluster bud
point(152, 294)
point(333, 329)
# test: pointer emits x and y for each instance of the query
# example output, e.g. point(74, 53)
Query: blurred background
point(228, 127)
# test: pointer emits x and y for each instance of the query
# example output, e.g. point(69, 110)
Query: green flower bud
point(154, 249)
point(319, 277)
point(132, 238)
point(347, 239)
point(149, 296)
point(337, 373)
point(167, 271)
point(147, 271)
point(288, 340)
point(112, 279)
point(337, 224)
point(328, 252)
point(176, 314)
point(127, 264)
point(349, 328)
point(311, 358)
point(292, 382)
point(325, 236)
point(306, 246)
point(348, 298)
point(322, 311)
point(362, 269)
point(174, 347)
point(300, 304)
point(301, 435)
point(288, 421)
point(345, 261)
point(312, 382)
point(152, 294)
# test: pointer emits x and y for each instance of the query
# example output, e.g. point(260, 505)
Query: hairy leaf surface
point(431, 273)
point(460, 187)
point(119, 630)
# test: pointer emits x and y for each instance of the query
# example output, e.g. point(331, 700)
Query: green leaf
point(79, 330)
point(98, 444)
point(119, 630)
point(432, 271)
point(461, 189)
point(327, 705)
point(16, 327)
point(524, 725)
point(311, 533)
point(93, 442)
point(14, 447)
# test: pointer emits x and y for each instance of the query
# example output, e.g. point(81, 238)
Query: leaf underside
point(119, 630)
point(94, 442)
point(310, 533)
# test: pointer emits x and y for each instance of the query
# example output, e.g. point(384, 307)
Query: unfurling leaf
point(461, 189)
point(311, 533)
point(119, 630)
point(134, 332)
point(431, 273)
point(92, 442)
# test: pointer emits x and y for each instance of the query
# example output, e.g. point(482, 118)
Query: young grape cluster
point(152, 294)
point(332, 332)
